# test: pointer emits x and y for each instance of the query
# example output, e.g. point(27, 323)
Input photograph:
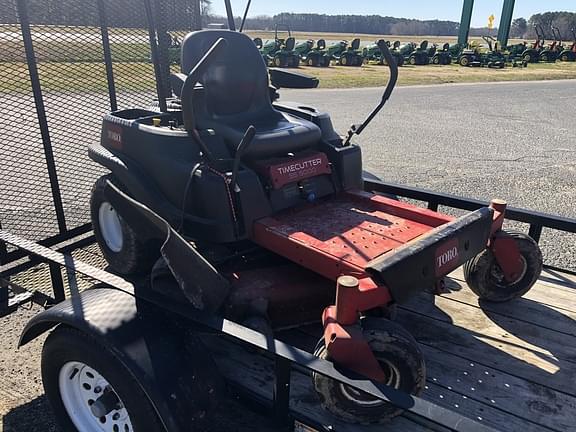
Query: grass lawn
point(375, 75)
point(139, 76)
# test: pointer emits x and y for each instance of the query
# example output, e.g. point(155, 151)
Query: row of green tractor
point(286, 52)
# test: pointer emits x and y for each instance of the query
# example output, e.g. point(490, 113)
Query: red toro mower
point(253, 210)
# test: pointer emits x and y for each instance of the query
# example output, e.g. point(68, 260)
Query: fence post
point(164, 42)
point(41, 113)
point(155, 57)
point(107, 55)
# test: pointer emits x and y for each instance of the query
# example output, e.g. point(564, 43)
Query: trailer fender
point(173, 370)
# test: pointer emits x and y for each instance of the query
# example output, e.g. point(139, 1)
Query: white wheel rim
point(110, 227)
point(80, 386)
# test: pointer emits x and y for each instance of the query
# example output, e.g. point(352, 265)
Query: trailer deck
point(509, 366)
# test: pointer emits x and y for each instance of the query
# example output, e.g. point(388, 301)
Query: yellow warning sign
point(491, 19)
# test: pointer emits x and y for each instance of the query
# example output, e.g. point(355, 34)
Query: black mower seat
point(236, 95)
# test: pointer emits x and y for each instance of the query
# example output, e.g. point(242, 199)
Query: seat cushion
point(276, 135)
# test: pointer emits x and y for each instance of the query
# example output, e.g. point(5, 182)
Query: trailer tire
point(124, 251)
point(485, 279)
point(70, 349)
point(397, 352)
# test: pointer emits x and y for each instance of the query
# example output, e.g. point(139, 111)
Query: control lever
point(240, 150)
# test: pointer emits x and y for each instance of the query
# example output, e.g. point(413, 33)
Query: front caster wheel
point(89, 389)
point(485, 278)
point(402, 362)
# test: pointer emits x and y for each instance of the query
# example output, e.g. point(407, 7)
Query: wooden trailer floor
point(511, 366)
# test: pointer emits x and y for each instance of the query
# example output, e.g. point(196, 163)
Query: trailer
point(489, 367)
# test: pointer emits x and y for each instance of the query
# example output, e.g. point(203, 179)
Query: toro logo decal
point(114, 136)
point(447, 257)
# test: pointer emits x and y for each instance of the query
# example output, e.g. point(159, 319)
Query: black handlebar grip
point(392, 65)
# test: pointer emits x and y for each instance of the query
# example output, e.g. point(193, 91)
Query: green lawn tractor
point(568, 54)
point(280, 51)
point(346, 54)
point(532, 54)
point(372, 53)
point(313, 55)
point(442, 56)
point(420, 55)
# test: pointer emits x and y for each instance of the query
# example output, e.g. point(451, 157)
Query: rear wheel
point(564, 58)
point(486, 279)
point(527, 57)
point(412, 60)
point(544, 57)
point(464, 61)
point(124, 251)
point(401, 360)
point(436, 60)
point(89, 389)
point(344, 61)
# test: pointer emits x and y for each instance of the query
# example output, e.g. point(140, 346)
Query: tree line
point(183, 14)
point(376, 24)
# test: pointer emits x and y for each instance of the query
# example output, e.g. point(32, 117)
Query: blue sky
point(421, 9)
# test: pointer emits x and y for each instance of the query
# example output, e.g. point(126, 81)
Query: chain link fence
point(63, 64)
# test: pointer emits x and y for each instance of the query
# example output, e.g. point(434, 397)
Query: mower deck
point(343, 234)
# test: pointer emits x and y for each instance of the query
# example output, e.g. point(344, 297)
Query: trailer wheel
point(89, 389)
point(400, 358)
point(123, 250)
point(486, 280)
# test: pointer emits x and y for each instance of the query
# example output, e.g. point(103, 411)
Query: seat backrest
point(237, 82)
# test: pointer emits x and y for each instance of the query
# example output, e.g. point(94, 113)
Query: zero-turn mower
point(550, 53)
point(476, 56)
point(251, 211)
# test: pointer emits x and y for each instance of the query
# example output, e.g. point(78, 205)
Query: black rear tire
point(399, 356)
point(65, 345)
point(485, 278)
point(131, 255)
